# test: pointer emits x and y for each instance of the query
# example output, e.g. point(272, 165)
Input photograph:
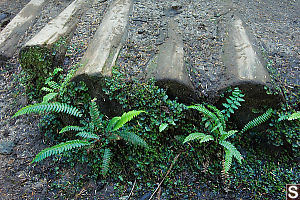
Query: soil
point(274, 23)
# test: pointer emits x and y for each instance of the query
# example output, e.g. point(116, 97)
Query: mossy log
point(46, 50)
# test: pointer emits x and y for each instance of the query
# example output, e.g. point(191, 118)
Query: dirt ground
point(275, 25)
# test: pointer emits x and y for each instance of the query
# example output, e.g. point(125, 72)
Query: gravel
point(275, 25)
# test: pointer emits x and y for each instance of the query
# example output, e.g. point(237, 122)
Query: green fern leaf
point(58, 149)
point(112, 123)
point(126, 117)
point(257, 121)
point(133, 138)
point(106, 160)
point(49, 97)
point(194, 136)
point(67, 80)
point(47, 89)
point(72, 128)
point(294, 116)
point(49, 107)
point(88, 135)
point(206, 138)
point(52, 84)
point(162, 127)
point(57, 70)
point(226, 135)
point(95, 114)
point(228, 146)
point(228, 160)
point(206, 112)
point(219, 114)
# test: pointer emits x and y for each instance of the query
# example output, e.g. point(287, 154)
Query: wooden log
point(246, 69)
point(10, 35)
point(47, 48)
point(168, 68)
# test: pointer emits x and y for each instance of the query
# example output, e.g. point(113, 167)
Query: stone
point(10, 35)
point(169, 70)
point(6, 147)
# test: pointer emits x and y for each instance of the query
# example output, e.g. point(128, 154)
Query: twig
point(169, 170)
point(131, 189)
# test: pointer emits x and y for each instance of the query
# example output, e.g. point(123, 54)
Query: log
point(10, 35)
point(169, 70)
point(246, 69)
point(46, 50)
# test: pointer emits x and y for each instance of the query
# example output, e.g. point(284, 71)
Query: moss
point(37, 63)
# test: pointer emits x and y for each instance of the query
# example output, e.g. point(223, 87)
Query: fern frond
point(226, 135)
point(126, 117)
point(294, 116)
point(49, 97)
point(56, 70)
point(219, 114)
point(52, 84)
point(258, 120)
point(95, 114)
point(67, 79)
point(47, 89)
point(49, 107)
point(228, 160)
point(71, 128)
point(133, 138)
point(88, 135)
point(106, 160)
point(197, 136)
point(112, 123)
point(230, 147)
point(206, 112)
point(162, 127)
point(57, 149)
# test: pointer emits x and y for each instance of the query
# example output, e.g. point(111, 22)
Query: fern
point(294, 116)
point(257, 121)
point(49, 107)
point(72, 128)
point(95, 114)
point(57, 149)
point(88, 135)
point(219, 114)
point(228, 146)
point(47, 89)
point(133, 138)
point(53, 85)
point(49, 97)
point(226, 135)
point(112, 123)
point(67, 80)
point(206, 112)
point(233, 102)
point(195, 136)
point(228, 160)
point(126, 117)
point(106, 160)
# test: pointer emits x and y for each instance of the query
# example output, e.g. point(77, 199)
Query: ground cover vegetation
point(187, 150)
